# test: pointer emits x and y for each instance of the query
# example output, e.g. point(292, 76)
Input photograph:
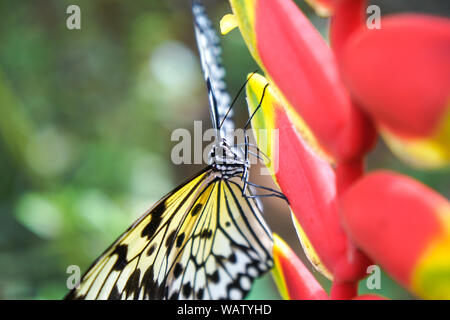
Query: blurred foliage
point(85, 123)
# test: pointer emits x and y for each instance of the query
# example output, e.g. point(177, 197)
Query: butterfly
point(206, 239)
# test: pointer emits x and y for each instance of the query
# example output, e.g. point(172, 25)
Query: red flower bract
point(400, 74)
point(324, 104)
point(304, 68)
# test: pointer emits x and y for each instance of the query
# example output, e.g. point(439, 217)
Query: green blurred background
point(85, 123)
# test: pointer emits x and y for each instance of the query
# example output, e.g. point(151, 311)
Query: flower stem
point(348, 172)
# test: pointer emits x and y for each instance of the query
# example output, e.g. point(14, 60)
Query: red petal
point(348, 17)
point(309, 182)
point(401, 73)
point(292, 275)
point(392, 218)
point(303, 67)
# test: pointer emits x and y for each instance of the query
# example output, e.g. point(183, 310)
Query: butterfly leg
point(274, 193)
point(257, 154)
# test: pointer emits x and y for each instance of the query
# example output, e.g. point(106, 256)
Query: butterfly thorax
point(225, 161)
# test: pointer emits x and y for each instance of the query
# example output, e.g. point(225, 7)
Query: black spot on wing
point(206, 234)
point(170, 239)
point(155, 221)
point(220, 258)
point(121, 252)
point(200, 293)
point(114, 294)
point(187, 290)
point(177, 270)
point(235, 285)
point(180, 239)
point(152, 290)
point(196, 209)
point(132, 285)
point(151, 250)
point(174, 296)
point(214, 277)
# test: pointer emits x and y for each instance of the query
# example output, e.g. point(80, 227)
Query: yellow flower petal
point(428, 152)
point(228, 23)
point(431, 278)
point(277, 272)
point(244, 11)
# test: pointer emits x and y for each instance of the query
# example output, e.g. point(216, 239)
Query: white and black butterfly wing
point(202, 241)
point(229, 246)
point(138, 249)
point(214, 73)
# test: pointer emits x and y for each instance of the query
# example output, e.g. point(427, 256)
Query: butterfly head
point(225, 160)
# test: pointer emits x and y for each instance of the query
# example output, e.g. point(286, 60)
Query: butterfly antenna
point(257, 108)
point(245, 175)
point(235, 98)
